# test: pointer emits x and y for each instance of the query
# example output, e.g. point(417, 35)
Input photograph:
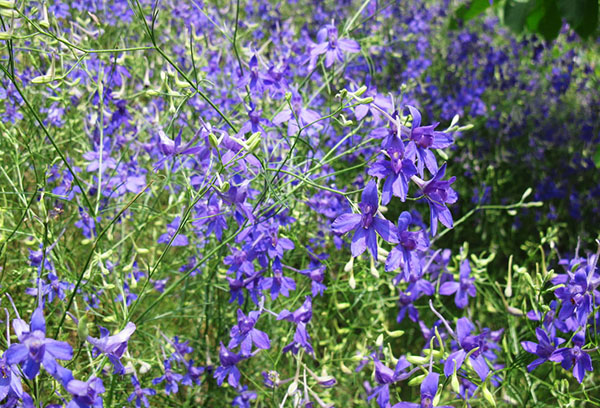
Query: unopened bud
point(7, 4)
point(82, 329)
point(488, 396)
point(10, 13)
point(418, 360)
point(288, 96)
point(416, 380)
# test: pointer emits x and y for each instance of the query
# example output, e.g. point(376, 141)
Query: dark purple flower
point(299, 115)
point(438, 193)
point(574, 357)
point(384, 376)
point(86, 394)
point(366, 224)
point(113, 346)
point(278, 283)
point(543, 349)
point(179, 240)
point(329, 44)
point(139, 393)
point(170, 378)
point(467, 343)
point(406, 253)
point(422, 140)
point(244, 397)
point(10, 380)
point(463, 288)
point(172, 148)
point(35, 348)
point(428, 390)
point(397, 171)
point(245, 334)
point(228, 367)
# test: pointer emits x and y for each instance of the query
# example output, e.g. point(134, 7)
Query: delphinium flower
point(329, 44)
point(236, 197)
point(171, 149)
point(52, 290)
point(179, 240)
point(213, 216)
point(99, 159)
point(86, 394)
point(466, 344)
point(396, 171)
point(113, 346)
point(428, 390)
point(192, 376)
point(278, 283)
point(34, 348)
point(463, 288)
point(438, 193)
point(170, 378)
point(228, 368)
point(574, 357)
point(300, 317)
point(10, 381)
point(255, 123)
point(297, 115)
point(244, 334)
point(140, 394)
point(240, 261)
point(366, 224)
point(577, 295)
point(406, 253)
point(316, 275)
point(253, 77)
point(384, 376)
point(422, 140)
point(543, 349)
point(381, 101)
point(242, 400)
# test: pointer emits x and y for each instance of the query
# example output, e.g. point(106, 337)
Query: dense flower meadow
point(296, 204)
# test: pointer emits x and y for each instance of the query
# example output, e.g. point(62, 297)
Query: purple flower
point(332, 46)
point(543, 349)
point(10, 380)
point(170, 378)
point(278, 283)
point(113, 346)
point(438, 193)
point(139, 393)
point(574, 357)
point(86, 394)
point(255, 79)
point(172, 148)
point(245, 334)
point(467, 343)
point(428, 390)
point(463, 288)
point(422, 140)
point(576, 295)
point(179, 240)
point(303, 116)
point(396, 172)
point(244, 398)
point(301, 317)
point(193, 374)
point(406, 253)
point(366, 224)
point(384, 376)
point(35, 349)
point(228, 367)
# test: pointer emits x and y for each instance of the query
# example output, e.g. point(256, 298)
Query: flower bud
point(7, 4)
